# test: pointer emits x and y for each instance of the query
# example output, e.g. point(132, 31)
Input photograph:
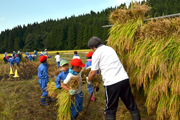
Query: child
point(11, 61)
point(17, 59)
point(41, 53)
point(27, 54)
point(75, 70)
point(30, 57)
point(43, 79)
point(62, 76)
point(88, 65)
point(76, 55)
point(57, 57)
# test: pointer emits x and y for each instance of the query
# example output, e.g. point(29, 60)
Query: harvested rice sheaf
point(64, 100)
point(52, 90)
point(150, 53)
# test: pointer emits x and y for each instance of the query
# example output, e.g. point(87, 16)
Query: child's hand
point(72, 92)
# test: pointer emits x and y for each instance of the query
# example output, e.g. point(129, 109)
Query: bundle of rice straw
point(52, 90)
point(97, 80)
point(64, 100)
point(51, 86)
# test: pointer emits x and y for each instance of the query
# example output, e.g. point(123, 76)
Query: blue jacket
point(62, 76)
point(35, 53)
point(30, 57)
point(26, 53)
point(17, 59)
point(89, 63)
point(11, 61)
point(43, 72)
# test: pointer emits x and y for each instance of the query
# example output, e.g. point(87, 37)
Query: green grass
point(20, 100)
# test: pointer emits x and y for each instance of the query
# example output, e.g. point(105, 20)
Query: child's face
point(77, 69)
point(65, 67)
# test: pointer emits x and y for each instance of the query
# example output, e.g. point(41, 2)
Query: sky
point(22, 12)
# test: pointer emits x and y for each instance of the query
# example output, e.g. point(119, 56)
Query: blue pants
point(58, 63)
point(17, 63)
point(78, 104)
point(11, 64)
point(90, 88)
point(43, 84)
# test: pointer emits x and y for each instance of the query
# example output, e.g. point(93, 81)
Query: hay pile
point(64, 100)
point(97, 79)
point(26, 70)
point(150, 53)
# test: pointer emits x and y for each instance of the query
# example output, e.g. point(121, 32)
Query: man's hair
point(94, 42)
point(57, 53)
point(75, 52)
point(89, 57)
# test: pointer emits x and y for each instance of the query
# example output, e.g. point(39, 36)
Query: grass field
point(20, 100)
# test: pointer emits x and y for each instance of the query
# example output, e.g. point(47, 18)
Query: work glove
point(72, 92)
point(89, 83)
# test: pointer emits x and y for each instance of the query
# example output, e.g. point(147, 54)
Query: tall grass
point(150, 53)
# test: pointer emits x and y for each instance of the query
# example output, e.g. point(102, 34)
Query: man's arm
point(92, 74)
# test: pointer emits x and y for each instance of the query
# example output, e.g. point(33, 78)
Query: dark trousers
point(121, 90)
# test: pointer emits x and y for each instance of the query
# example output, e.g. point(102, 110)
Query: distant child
point(43, 80)
point(76, 55)
point(41, 53)
point(27, 54)
point(49, 56)
point(11, 61)
point(62, 76)
point(57, 57)
point(30, 57)
point(88, 65)
point(17, 60)
point(75, 70)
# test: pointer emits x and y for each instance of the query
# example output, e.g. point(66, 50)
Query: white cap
point(45, 49)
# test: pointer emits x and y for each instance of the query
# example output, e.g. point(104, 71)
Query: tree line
point(73, 32)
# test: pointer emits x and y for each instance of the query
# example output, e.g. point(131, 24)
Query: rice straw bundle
point(150, 54)
point(97, 80)
point(65, 99)
point(52, 90)
point(85, 73)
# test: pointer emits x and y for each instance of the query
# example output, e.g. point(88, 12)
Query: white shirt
point(76, 57)
point(57, 58)
point(68, 79)
point(111, 68)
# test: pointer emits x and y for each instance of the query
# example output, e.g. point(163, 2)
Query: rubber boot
point(110, 116)
point(43, 101)
point(93, 98)
point(49, 99)
point(136, 116)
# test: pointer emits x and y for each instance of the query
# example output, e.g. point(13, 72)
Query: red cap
point(77, 62)
point(30, 53)
point(42, 58)
point(17, 55)
point(49, 55)
point(89, 54)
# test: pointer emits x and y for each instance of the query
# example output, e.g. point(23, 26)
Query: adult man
point(116, 80)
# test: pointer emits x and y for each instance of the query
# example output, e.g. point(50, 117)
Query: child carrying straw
point(74, 71)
